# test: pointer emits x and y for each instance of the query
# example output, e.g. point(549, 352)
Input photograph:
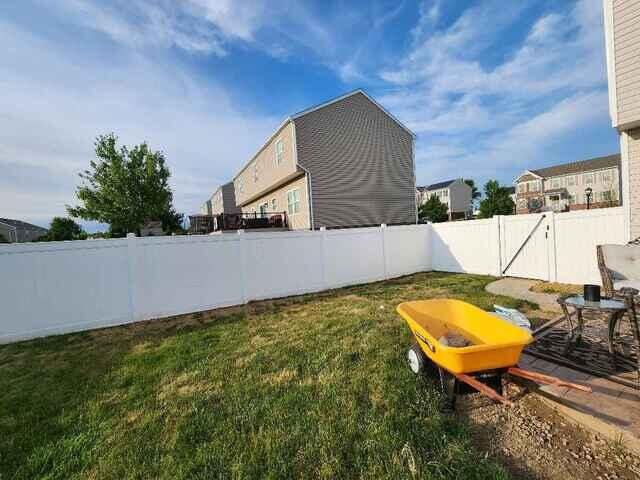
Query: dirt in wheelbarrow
point(534, 442)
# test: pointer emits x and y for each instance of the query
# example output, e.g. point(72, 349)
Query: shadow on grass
point(309, 385)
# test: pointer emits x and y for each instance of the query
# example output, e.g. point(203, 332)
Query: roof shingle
point(579, 167)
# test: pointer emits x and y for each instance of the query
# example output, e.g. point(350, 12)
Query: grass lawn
point(313, 386)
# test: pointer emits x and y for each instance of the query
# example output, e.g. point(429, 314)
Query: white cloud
point(513, 107)
point(49, 122)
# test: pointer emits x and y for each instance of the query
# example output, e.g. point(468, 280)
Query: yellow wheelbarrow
point(473, 347)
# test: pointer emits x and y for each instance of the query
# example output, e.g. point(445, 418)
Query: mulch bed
point(591, 355)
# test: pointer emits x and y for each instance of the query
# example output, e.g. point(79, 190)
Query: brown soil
point(533, 441)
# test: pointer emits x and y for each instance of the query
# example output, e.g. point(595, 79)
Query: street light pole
point(588, 191)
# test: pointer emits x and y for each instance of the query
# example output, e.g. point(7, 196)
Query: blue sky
point(489, 87)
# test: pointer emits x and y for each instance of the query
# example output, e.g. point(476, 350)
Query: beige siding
point(269, 172)
point(626, 34)
point(633, 138)
point(297, 221)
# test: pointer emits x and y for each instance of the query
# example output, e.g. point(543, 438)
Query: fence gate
point(525, 245)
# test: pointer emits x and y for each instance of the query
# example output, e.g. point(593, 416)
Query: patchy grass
point(312, 386)
point(553, 287)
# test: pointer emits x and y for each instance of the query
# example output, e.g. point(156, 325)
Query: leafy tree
point(3, 239)
point(126, 187)
point(433, 210)
point(62, 228)
point(475, 193)
point(497, 200)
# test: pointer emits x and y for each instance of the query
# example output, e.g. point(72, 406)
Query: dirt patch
point(535, 442)
point(184, 385)
point(554, 287)
point(283, 376)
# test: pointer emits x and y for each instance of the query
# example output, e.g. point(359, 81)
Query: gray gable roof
point(20, 224)
point(436, 186)
point(579, 167)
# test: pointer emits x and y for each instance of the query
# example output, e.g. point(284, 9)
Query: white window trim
point(299, 200)
point(275, 147)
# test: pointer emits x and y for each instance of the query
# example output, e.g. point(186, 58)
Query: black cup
point(592, 293)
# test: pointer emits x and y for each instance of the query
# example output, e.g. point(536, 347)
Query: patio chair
point(619, 267)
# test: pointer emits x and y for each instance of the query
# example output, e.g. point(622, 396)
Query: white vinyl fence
point(561, 246)
point(59, 287)
point(48, 288)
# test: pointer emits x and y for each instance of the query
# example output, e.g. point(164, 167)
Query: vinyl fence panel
point(60, 287)
point(576, 236)
point(466, 247)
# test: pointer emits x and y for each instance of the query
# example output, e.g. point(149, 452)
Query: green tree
point(126, 187)
point(433, 210)
point(3, 239)
point(497, 200)
point(475, 193)
point(63, 228)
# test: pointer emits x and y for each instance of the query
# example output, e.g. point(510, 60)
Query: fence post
point(383, 228)
point(131, 274)
point(243, 265)
point(323, 258)
point(498, 245)
point(551, 246)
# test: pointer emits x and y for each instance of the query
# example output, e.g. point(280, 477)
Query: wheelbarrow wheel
point(417, 360)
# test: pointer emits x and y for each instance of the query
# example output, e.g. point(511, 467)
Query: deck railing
point(203, 224)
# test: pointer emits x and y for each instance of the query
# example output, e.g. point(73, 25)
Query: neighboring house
point(456, 194)
point(564, 187)
point(223, 200)
point(19, 231)
point(622, 34)
point(344, 163)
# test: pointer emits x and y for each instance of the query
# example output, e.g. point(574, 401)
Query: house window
point(293, 201)
point(522, 187)
point(534, 186)
point(279, 151)
point(556, 183)
point(445, 193)
point(571, 181)
point(572, 199)
point(255, 171)
point(241, 185)
point(607, 196)
point(588, 178)
point(522, 203)
point(606, 176)
point(274, 205)
point(535, 203)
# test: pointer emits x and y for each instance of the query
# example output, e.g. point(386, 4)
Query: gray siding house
point(223, 200)
point(455, 194)
point(345, 163)
point(19, 231)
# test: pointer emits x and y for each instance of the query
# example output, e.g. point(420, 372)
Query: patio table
point(612, 307)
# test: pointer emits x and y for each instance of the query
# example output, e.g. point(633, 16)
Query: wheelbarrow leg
point(449, 388)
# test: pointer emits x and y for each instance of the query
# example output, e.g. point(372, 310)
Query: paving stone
point(543, 366)
point(519, 288)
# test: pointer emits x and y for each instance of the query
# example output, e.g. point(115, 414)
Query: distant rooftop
point(20, 224)
point(436, 186)
point(579, 167)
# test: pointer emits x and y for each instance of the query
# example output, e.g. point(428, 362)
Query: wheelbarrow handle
point(482, 388)
point(541, 378)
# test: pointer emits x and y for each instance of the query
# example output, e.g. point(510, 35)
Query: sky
point(490, 88)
